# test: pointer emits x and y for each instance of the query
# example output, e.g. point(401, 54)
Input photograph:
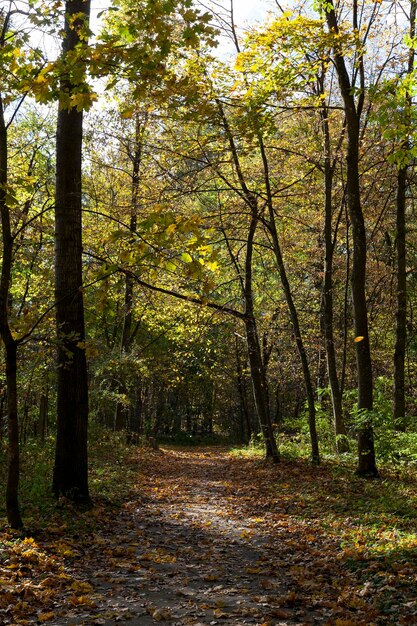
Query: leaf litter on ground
point(207, 537)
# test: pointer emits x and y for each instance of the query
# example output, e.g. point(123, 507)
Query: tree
point(22, 66)
point(134, 150)
point(255, 119)
point(399, 408)
point(353, 108)
point(70, 477)
point(10, 344)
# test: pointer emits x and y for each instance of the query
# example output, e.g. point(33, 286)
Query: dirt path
point(206, 542)
point(181, 553)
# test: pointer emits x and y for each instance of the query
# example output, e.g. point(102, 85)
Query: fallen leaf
point(162, 615)
point(45, 617)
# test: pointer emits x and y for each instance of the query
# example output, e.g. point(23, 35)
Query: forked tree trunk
point(260, 390)
point(315, 453)
point(70, 477)
point(366, 450)
point(257, 370)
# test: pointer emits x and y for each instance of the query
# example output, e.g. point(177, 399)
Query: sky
point(248, 11)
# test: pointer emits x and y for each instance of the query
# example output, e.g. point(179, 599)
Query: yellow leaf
point(29, 541)
point(68, 553)
point(127, 113)
point(358, 339)
point(82, 100)
point(171, 229)
point(46, 617)
point(81, 587)
point(81, 601)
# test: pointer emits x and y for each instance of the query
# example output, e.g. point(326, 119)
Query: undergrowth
point(112, 472)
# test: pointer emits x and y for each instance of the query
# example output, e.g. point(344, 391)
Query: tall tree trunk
point(10, 345)
point(399, 409)
point(259, 390)
point(121, 417)
point(257, 369)
point(70, 477)
point(244, 425)
point(401, 312)
point(336, 394)
point(315, 453)
point(13, 476)
point(366, 450)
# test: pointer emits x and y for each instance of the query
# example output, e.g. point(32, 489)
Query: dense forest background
point(247, 263)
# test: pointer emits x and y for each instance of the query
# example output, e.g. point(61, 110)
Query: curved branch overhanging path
point(206, 541)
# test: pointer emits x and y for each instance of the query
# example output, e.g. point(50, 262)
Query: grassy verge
point(112, 473)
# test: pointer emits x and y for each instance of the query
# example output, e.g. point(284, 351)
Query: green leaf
point(187, 258)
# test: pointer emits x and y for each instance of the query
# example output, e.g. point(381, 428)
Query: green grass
point(111, 471)
point(375, 520)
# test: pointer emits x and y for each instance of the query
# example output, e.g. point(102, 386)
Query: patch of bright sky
point(246, 14)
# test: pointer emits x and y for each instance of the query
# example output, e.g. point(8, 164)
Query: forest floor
point(210, 538)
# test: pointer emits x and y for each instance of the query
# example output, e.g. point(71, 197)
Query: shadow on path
point(182, 553)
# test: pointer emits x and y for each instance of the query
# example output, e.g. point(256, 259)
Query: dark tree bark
point(257, 368)
point(353, 110)
point(137, 421)
point(121, 417)
point(399, 408)
point(70, 477)
point(244, 424)
point(43, 416)
point(336, 394)
point(10, 345)
point(399, 411)
point(315, 453)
